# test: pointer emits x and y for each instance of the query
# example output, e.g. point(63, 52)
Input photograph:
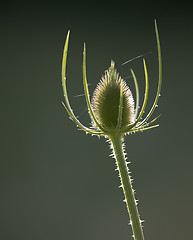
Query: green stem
point(117, 144)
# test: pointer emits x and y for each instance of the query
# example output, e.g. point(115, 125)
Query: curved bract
point(112, 109)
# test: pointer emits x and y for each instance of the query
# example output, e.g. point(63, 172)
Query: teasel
point(113, 115)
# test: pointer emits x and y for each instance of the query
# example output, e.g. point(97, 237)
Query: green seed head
point(106, 100)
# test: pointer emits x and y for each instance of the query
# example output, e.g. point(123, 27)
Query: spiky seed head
point(106, 100)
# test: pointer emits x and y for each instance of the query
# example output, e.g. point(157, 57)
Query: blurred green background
point(56, 182)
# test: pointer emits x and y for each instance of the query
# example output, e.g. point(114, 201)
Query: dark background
point(56, 182)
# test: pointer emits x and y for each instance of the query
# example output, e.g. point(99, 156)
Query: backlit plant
point(113, 115)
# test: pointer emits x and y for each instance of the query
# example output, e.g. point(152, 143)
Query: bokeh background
point(56, 182)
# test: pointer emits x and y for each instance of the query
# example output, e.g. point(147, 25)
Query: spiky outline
point(116, 135)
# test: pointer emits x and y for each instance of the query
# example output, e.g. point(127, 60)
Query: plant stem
point(117, 145)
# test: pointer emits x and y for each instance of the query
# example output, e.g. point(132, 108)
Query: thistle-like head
point(106, 101)
point(112, 109)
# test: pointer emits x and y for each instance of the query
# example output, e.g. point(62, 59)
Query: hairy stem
point(117, 145)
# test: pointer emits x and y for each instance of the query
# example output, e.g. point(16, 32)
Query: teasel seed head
point(112, 110)
point(106, 101)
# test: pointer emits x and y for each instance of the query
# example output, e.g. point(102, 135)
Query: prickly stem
point(118, 151)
